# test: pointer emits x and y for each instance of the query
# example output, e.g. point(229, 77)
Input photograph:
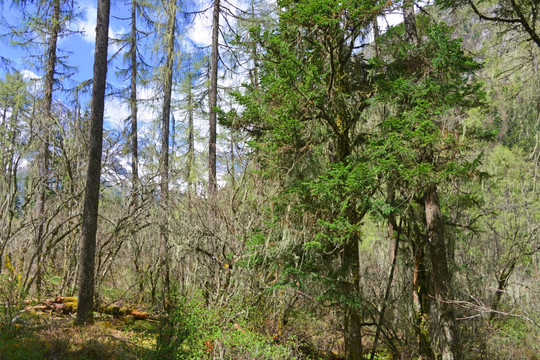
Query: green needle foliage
point(427, 88)
point(315, 128)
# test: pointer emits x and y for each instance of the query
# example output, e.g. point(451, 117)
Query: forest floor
point(46, 330)
point(33, 336)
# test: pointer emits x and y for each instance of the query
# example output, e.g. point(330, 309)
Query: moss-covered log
point(68, 305)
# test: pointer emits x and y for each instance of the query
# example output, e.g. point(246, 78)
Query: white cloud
point(88, 26)
point(201, 30)
point(34, 79)
point(29, 75)
point(117, 110)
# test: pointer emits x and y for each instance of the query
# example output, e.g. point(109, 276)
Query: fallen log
point(68, 305)
point(137, 315)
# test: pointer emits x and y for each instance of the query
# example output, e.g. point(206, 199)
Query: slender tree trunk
point(411, 34)
point(212, 174)
point(233, 170)
point(91, 196)
point(9, 186)
point(69, 260)
point(375, 29)
point(420, 298)
point(255, 57)
point(502, 281)
point(449, 338)
point(191, 138)
point(353, 314)
point(212, 148)
point(133, 105)
point(388, 284)
point(43, 162)
point(4, 186)
point(134, 144)
point(164, 158)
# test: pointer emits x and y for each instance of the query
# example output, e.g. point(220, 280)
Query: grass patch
point(35, 337)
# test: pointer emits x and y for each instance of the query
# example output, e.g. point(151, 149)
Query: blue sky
point(78, 48)
point(80, 54)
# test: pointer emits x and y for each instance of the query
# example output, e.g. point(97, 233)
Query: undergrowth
point(194, 332)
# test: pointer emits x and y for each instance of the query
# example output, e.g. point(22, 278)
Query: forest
point(262, 179)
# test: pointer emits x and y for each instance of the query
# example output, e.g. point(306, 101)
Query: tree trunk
point(43, 156)
point(449, 338)
point(411, 34)
point(390, 279)
point(502, 281)
point(91, 196)
point(164, 159)
point(212, 173)
point(353, 314)
point(353, 334)
point(376, 34)
point(437, 248)
point(191, 137)
point(133, 104)
point(214, 270)
point(233, 170)
point(134, 144)
point(421, 299)
point(255, 56)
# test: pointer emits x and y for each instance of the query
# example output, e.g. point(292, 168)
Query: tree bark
point(91, 196)
point(353, 314)
point(164, 158)
point(376, 34)
point(421, 299)
point(449, 338)
point(191, 136)
point(133, 105)
point(502, 281)
point(411, 34)
point(353, 334)
point(43, 157)
point(212, 173)
point(388, 284)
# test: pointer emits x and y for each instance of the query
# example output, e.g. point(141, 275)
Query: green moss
point(69, 299)
point(71, 306)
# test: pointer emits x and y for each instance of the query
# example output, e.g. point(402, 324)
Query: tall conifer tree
point(212, 100)
point(171, 10)
point(91, 196)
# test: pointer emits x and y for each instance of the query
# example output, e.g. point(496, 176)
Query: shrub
point(194, 331)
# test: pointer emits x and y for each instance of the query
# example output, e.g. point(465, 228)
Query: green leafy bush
point(194, 331)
